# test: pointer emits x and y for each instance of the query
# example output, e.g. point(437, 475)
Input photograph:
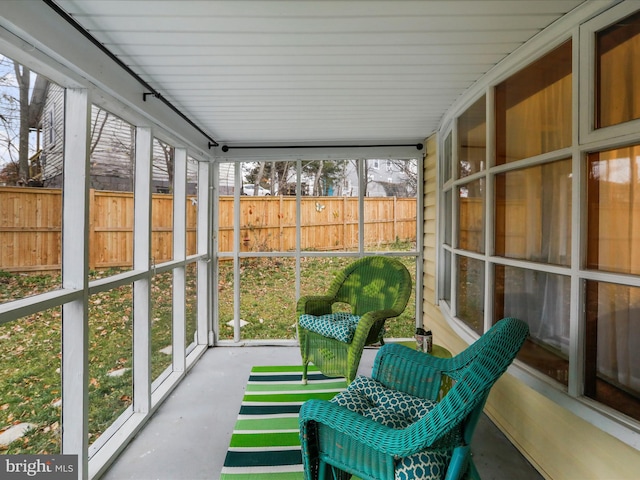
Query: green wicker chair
point(362, 431)
point(376, 288)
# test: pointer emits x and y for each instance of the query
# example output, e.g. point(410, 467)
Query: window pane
point(617, 72)
point(161, 323)
point(446, 290)
point(111, 202)
point(390, 210)
point(447, 159)
point(192, 206)
point(533, 213)
point(268, 219)
point(542, 300)
point(267, 290)
point(533, 108)
point(448, 216)
point(226, 181)
point(329, 204)
point(317, 273)
point(471, 216)
point(404, 326)
point(30, 381)
point(110, 357)
point(472, 139)
point(162, 202)
point(225, 297)
point(30, 181)
point(470, 293)
point(191, 321)
point(613, 198)
point(612, 364)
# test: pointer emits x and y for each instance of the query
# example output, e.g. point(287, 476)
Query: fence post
point(344, 222)
point(92, 229)
point(280, 227)
point(395, 218)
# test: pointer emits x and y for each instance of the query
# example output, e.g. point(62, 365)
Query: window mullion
point(75, 274)
point(206, 244)
point(142, 261)
point(179, 253)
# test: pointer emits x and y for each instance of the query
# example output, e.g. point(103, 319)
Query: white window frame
point(77, 289)
point(584, 140)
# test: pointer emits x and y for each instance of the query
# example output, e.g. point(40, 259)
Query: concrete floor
point(188, 436)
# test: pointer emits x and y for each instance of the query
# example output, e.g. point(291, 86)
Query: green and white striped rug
point(265, 442)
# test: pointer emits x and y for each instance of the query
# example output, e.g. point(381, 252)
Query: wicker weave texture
point(377, 288)
point(448, 426)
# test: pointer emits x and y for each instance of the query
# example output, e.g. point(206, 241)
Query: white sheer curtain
point(614, 226)
point(539, 214)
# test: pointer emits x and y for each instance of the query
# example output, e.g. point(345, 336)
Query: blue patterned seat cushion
point(398, 410)
point(339, 325)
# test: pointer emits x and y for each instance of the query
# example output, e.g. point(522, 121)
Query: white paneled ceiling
point(313, 71)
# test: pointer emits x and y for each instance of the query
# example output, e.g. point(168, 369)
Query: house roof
point(300, 72)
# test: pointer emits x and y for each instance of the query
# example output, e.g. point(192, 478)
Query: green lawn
point(30, 348)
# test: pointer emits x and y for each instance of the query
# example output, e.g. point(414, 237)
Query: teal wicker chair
point(376, 289)
point(391, 427)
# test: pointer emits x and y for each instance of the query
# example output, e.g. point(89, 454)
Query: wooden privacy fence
point(30, 226)
point(327, 223)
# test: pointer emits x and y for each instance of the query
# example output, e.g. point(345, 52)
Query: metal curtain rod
point(106, 51)
point(226, 148)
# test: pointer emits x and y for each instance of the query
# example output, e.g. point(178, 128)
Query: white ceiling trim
point(292, 72)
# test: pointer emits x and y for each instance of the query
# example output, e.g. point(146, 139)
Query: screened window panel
point(111, 208)
point(30, 218)
point(192, 206)
point(161, 323)
point(226, 182)
point(110, 357)
point(162, 175)
point(390, 207)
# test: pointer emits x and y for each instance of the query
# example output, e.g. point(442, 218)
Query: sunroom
point(491, 146)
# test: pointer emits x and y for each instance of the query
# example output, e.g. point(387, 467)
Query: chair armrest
point(417, 373)
point(368, 432)
point(398, 442)
point(314, 305)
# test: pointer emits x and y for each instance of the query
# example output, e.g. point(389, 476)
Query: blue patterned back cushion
point(398, 410)
point(340, 325)
point(373, 400)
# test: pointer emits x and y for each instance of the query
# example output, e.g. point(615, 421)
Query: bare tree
point(97, 128)
point(23, 76)
point(409, 169)
point(168, 153)
point(30, 113)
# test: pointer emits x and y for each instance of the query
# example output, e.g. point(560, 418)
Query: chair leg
point(305, 366)
point(472, 471)
point(459, 462)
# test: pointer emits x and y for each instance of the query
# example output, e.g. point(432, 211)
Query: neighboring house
point(112, 150)
point(226, 178)
point(384, 179)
